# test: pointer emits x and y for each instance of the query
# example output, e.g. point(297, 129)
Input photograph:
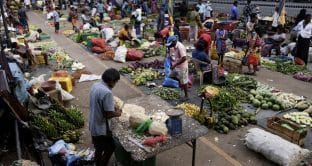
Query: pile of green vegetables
point(141, 76)
point(234, 119)
point(60, 122)
point(286, 68)
point(240, 81)
point(224, 101)
point(265, 100)
point(167, 93)
point(155, 51)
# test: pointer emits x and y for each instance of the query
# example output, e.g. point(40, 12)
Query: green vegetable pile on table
point(142, 76)
point(233, 119)
point(60, 122)
point(167, 93)
point(265, 100)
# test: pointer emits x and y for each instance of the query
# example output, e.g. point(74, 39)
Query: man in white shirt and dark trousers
point(137, 15)
point(304, 29)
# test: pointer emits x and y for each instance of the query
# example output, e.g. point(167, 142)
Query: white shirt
point(275, 19)
point(108, 33)
point(208, 11)
point(33, 36)
point(304, 32)
point(201, 8)
point(138, 14)
point(278, 37)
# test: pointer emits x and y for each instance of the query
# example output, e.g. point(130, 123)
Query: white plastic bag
point(65, 95)
point(120, 54)
point(158, 128)
point(37, 80)
point(129, 109)
point(274, 147)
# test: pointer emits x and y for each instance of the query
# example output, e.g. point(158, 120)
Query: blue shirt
point(234, 12)
point(202, 56)
point(101, 100)
point(100, 8)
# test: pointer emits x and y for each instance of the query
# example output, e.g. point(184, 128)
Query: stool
point(66, 82)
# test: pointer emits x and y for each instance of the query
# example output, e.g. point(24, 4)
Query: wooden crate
point(185, 33)
point(232, 65)
point(274, 125)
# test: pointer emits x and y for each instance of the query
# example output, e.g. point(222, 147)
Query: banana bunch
point(68, 32)
point(190, 109)
point(71, 136)
point(45, 126)
point(74, 116)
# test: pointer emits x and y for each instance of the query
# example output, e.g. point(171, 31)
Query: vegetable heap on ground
point(141, 76)
point(286, 67)
point(167, 93)
point(60, 122)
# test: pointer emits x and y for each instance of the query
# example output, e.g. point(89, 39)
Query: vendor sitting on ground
point(275, 41)
point(124, 35)
point(200, 54)
point(34, 35)
point(24, 52)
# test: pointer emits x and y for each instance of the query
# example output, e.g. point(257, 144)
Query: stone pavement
point(213, 149)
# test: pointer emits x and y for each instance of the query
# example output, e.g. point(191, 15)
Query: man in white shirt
point(137, 15)
point(34, 35)
point(304, 29)
point(208, 11)
point(201, 10)
point(275, 20)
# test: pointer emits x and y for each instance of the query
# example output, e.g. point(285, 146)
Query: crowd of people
point(199, 19)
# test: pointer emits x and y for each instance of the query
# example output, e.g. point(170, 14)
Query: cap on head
point(170, 40)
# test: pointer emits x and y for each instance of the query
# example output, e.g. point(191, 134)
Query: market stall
point(191, 130)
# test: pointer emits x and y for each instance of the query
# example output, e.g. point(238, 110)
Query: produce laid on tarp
point(167, 93)
point(60, 122)
point(285, 67)
point(141, 76)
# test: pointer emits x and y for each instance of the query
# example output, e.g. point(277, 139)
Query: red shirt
point(206, 37)
point(164, 32)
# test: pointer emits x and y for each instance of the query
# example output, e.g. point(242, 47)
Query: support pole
point(17, 139)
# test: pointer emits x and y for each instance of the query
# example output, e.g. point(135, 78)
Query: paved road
point(213, 149)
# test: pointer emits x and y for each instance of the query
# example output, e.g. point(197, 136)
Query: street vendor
point(102, 109)
point(124, 35)
point(34, 35)
point(207, 38)
point(200, 54)
point(24, 52)
point(180, 64)
point(304, 29)
point(221, 35)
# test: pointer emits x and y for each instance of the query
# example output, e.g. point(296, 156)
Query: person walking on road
point(208, 11)
point(22, 16)
point(102, 110)
point(304, 29)
point(275, 20)
point(56, 19)
point(100, 7)
point(194, 23)
point(248, 10)
point(234, 11)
